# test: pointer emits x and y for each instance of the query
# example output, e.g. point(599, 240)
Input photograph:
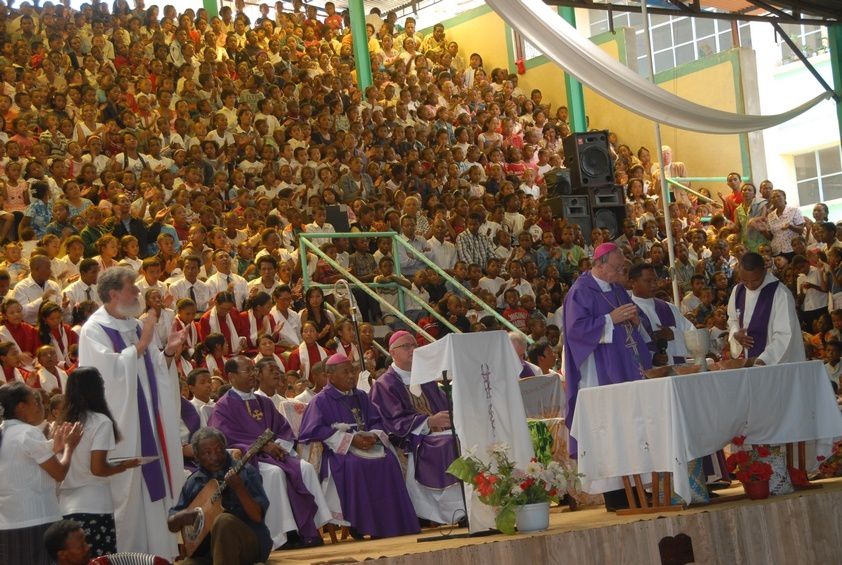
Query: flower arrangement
point(831, 466)
point(747, 464)
point(499, 483)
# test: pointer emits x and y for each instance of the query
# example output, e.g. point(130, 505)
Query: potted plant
point(747, 465)
point(521, 497)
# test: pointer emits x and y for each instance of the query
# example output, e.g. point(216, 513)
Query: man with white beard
point(142, 391)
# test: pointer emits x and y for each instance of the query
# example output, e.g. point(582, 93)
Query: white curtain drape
point(559, 41)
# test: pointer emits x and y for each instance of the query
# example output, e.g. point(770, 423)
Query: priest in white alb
point(762, 321)
point(663, 323)
point(142, 391)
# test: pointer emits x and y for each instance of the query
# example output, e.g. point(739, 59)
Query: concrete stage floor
point(800, 528)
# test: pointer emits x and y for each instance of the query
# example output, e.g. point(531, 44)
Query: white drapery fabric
point(562, 43)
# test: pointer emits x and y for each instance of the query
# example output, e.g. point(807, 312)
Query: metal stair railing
point(456, 284)
point(357, 283)
point(306, 245)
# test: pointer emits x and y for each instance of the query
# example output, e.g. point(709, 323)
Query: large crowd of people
point(162, 166)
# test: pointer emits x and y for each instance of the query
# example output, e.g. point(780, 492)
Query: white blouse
point(82, 492)
point(27, 492)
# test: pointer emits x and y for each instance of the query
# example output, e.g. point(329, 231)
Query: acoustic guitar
point(209, 500)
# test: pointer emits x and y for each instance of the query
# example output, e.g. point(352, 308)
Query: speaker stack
point(594, 200)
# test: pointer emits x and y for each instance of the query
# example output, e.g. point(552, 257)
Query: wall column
point(212, 7)
point(835, 35)
point(362, 58)
point(575, 95)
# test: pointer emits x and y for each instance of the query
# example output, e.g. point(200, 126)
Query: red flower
point(763, 451)
point(742, 457)
point(552, 492)
point(527, 483)
point(798, 477)
point(738, 440)
point(820, 458)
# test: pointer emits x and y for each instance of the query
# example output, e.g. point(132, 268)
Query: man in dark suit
point(125, 224)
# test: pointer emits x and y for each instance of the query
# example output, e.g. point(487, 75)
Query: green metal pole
point(575, 95)
point(362, 58)
point(835, 36)
point(212, 7)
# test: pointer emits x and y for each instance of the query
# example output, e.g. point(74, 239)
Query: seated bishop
point(298, 505)
point(420, 425)
point(360, 472)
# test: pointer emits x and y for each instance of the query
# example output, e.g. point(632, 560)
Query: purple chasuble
point(372, 492)
point(585, 308)
point(153, 474)
point(758, 327)
point(192, 422)
point(240, 424)
point(433, 454)
point(666, 317)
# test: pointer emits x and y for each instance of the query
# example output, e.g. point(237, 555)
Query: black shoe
point(293, 541)
point(355, 534)
point(463, 522)
point(313, 542)
point(719, 485)
point(617, 500)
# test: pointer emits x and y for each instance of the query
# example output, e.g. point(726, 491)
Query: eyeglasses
point(409, 345)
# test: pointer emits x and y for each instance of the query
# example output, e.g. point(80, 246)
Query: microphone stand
point(447, 385)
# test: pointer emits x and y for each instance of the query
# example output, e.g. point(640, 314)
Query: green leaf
point(506, 520)
point(461, 469)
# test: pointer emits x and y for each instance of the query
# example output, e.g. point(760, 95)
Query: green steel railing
point(307, 245)
point(396, 241)
point(357, 283)
point(456, 284)
point(699, 195)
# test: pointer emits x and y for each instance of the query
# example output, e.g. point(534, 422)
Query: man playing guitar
point(239, 535)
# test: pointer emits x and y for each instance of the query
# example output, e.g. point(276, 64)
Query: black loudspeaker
point(558, 182)
point(608, 206)
point(589, 160)
point(576, 209)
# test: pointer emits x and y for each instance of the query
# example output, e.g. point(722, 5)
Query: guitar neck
point(255, 448)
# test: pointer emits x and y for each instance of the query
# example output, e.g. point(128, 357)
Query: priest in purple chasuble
point(762, 320)
point(420, 425)
point(362, 477)
point(603, 344)
point(142, 391)
point(292, 484)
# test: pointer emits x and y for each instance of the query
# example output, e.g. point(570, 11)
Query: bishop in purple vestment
point(242, 416)
point(420, 425)
point(357, 460)
point(602, 342)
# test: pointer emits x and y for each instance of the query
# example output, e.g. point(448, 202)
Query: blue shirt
point(251, 477)
point(40, 214)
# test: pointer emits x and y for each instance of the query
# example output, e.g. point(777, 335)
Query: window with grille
point(676, 40)
point(811, 39)
point(819, 175)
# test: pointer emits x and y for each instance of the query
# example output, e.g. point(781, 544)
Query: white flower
point(501, 448)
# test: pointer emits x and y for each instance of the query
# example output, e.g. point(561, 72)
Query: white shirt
point(312, 227)
point(814, 299)
point(676, 346)
point(27, 492)
point(276, 399)
point(784, 343)
point(50, 382)
point(290, 332)
point(181, 289)
point(218, 282)
point(144, 286)
point(258, 283)
point(31, 295)
point(75, 293)
point(205, 409)
point(82, 491)
point(444, 253)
